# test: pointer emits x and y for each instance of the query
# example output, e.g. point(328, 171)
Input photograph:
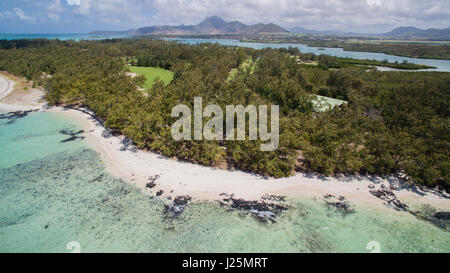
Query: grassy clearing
point(151, 73)
point(245, 65)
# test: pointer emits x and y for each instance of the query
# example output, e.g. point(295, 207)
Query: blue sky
point(80, 16)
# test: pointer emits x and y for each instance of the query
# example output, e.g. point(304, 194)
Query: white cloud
point(325, 14)
point(123, 13)
point(347, 15)
point(73, 2)
point(22, 16)
point(83, 7)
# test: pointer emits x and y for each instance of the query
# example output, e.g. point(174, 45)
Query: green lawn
point(245, 65)
point(151, 73)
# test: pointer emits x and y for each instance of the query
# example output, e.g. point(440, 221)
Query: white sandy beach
point(12, 99)
point(6, 86)
point(204, 183)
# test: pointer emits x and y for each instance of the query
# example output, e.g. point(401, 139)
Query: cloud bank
point(346, 15)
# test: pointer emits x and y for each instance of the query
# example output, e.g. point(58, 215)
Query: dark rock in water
point(46, 227)
point(159, 193)
point(13, 116)
point(383, 193)
point(177, 208)
point(261, 210)
point(443, 215)
point(397, 205)
point(182, 200)
point(339, 204)
point(391, 199)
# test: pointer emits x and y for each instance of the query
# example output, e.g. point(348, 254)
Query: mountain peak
point(214, 21)
point(213, 25)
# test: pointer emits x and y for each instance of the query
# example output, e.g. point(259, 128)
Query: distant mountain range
point(215, 25)
point(417, 33)
point(409, 33)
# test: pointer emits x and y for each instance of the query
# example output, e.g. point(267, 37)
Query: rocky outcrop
point(13, 116)
point(390, 198)
point(442, 215)
point(177, 207)
point(264, 210)
point(339, 204)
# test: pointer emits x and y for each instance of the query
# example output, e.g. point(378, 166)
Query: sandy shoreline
point(17, 94)
point(204, 183)
point(6, 87)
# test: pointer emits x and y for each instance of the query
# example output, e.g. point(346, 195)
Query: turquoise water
point(441, 65)
point(62, 37)
point(53, 193)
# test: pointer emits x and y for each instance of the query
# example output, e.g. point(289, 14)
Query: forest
point(393, 123)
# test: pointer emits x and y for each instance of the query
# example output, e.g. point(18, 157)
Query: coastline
point(19, 95)
point(209, 184)
point(6, 86)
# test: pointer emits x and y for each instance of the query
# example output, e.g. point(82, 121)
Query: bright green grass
point(245, 65)
point(151, 73)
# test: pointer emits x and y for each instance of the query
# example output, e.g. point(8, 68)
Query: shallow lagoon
point(52, 193)
point(441, 65)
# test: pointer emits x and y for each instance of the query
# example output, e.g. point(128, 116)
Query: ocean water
point(55, 195)
point(441, 65)
point(62, 36)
